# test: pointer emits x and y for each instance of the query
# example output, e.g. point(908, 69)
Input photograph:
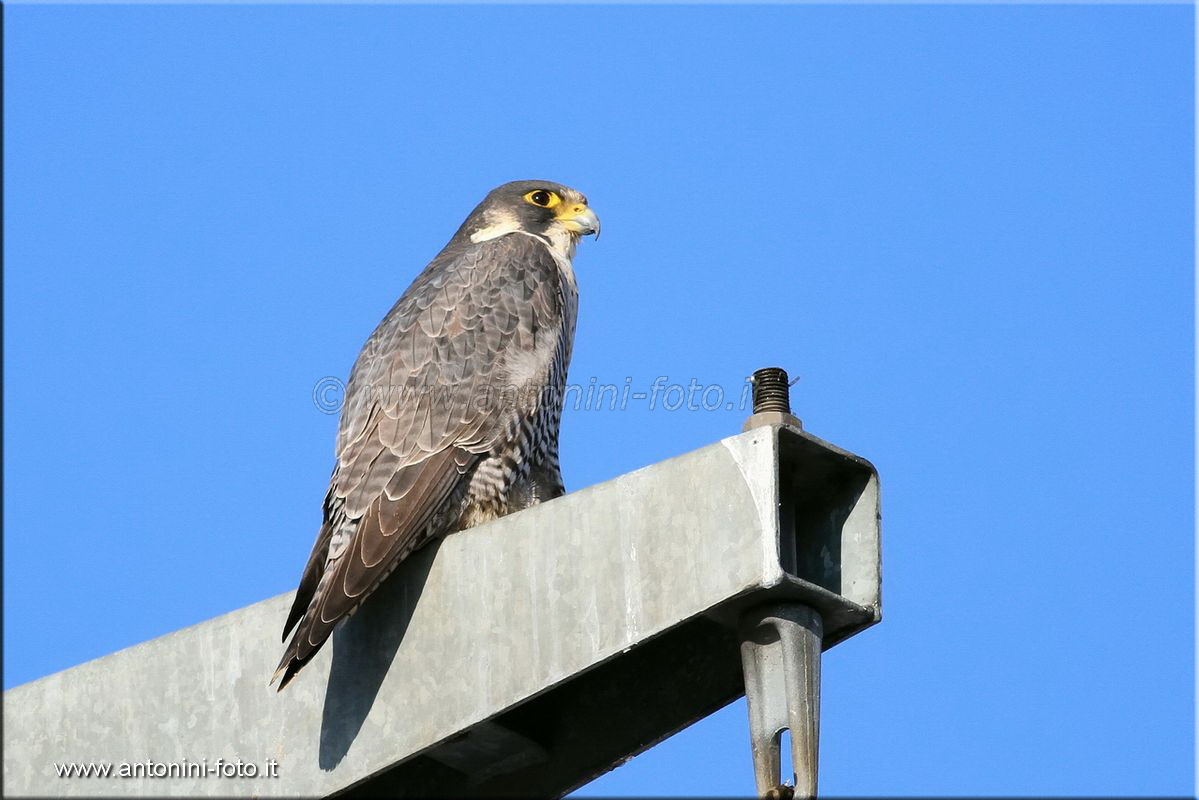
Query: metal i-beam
point(525, 656)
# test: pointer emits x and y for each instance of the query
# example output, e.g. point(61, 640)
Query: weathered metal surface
point(524, 656)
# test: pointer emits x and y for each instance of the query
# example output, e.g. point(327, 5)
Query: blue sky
point(967, 229)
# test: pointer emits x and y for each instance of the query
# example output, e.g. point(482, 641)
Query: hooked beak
point(581, 220)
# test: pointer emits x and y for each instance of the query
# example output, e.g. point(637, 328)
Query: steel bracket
point(780, 656)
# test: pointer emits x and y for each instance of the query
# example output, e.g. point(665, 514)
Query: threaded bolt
point(772, 392)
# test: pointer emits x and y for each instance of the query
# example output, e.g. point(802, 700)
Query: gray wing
point(421, 411)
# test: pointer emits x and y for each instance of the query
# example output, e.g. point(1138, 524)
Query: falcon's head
point(543, 208)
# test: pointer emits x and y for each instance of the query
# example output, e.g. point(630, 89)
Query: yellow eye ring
point(543, 198)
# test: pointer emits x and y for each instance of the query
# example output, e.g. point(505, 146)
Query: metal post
point(780, 655)
point(780, 651)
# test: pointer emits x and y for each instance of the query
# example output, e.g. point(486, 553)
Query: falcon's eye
point(543, 198)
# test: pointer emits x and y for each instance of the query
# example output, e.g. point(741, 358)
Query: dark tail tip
point(286, 670)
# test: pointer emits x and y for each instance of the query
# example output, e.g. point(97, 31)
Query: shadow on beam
point(363, 651)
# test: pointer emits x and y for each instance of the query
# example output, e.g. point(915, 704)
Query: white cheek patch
point(499, 223)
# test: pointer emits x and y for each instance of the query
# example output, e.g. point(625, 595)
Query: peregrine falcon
point(452, 410)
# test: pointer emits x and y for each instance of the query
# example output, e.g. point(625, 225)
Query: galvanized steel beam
point(525, 656)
